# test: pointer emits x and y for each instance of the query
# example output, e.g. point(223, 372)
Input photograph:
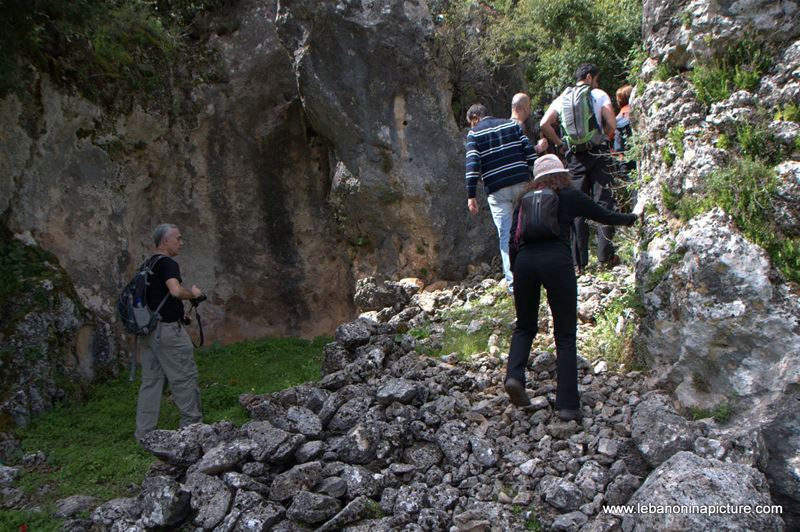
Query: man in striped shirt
point(499, 154)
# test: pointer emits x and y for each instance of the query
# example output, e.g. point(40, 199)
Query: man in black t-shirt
point(167, 353)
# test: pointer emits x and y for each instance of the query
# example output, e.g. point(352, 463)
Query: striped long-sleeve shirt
point(499, 153)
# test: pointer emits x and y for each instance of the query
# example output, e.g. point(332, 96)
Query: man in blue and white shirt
point(500, 155)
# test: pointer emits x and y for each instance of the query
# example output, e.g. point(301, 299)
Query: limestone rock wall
point(329, 151)
point(722, 323)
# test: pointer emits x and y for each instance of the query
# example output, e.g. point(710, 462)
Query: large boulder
point(712, 487)
point(659, 432)
point(53, 346)
point(716, 325)
point(782, 438)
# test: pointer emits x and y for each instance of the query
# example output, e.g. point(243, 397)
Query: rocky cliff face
point(51, 347)
point(328, 152)
point(722, 313)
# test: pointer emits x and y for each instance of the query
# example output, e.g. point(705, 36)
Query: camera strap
point(199, 327)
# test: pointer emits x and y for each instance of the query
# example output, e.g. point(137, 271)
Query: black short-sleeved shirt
point(165, 269)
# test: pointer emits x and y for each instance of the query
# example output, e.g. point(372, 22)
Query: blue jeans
point(501, 204)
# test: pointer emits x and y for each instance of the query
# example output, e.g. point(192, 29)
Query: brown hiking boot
point(516, 392)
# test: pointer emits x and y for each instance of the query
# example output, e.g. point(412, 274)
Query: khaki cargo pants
point(167, 355)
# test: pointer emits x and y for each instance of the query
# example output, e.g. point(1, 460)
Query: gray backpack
point(578, 122)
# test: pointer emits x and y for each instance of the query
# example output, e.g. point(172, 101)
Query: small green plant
point(711, 83)
point(660, 272)
point(754, 142)
point(668, 156)
point(637, 55)
point(664, 71)
point(676, 137)
point(721, 414)
point(745, 190)
point(532, 523)
point(724, 142)
point(700, 383)
point(686, 206)
point(670, 198)
point(374, 509)
point(422, 331)
point(740, 69)
point(789, 112)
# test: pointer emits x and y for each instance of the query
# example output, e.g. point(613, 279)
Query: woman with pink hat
point(540, 255)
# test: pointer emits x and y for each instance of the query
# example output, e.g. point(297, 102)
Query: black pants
point(592, 172)
point(554, 271)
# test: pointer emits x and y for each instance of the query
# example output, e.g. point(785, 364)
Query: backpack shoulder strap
point(158, 308)
point(152, 261)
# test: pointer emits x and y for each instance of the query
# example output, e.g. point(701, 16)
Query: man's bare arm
point(549, 120)
point(179, 292)
point(609, 120)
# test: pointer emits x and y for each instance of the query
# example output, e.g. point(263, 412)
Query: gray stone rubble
point(404, 441)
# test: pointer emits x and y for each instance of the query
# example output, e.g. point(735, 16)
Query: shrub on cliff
point(106, 49)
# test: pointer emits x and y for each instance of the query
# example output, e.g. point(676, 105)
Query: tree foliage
point(549, 39)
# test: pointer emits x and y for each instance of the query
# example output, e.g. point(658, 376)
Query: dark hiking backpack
point(136, 316)
point(538, 216)
point(580, 127)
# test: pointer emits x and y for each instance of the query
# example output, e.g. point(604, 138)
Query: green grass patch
point(612, 339)
point(499, 313)
point(668, 156)
point(14, 520)
point(90, 447)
